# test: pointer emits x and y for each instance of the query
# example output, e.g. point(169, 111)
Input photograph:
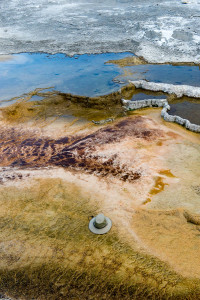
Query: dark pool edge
point(134, 105)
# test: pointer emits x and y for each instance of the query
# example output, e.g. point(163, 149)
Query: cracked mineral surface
point(159, 31)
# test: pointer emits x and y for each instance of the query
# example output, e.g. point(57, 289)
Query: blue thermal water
point(189, 75)
point(83, 75)
point(89, 75)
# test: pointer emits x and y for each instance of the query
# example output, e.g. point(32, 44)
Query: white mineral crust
point(178, 90)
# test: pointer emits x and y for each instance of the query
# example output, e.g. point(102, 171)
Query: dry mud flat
point(55, 175)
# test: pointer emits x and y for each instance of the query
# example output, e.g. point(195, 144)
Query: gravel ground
point(158, 30)
point(4, 298)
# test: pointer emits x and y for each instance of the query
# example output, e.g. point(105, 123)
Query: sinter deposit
point(178, 90)
point(133, 105)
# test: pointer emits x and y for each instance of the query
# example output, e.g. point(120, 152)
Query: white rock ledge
point(178, 90)
point(133, 105)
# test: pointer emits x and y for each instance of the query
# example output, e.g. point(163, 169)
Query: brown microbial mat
point(65, 158)
point(58, 169)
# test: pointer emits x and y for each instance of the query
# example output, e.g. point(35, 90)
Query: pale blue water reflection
point(82, 74)
point(90, 75)
point(189, 75)
point(87, 75)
